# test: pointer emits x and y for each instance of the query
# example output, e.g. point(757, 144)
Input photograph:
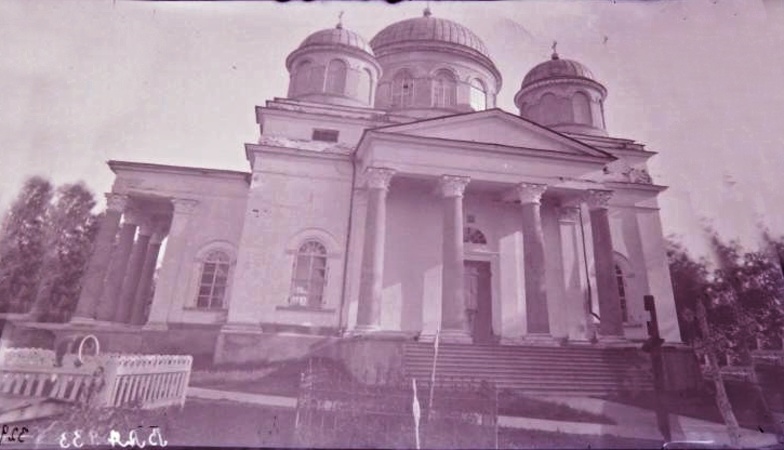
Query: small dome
point(557, 68)
point(429, 28)
point(337, 36)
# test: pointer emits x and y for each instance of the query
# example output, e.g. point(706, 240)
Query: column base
point(155, 326)
point(540, 339)
point(455, 337)
point(363, 330)
point(613, 340)
point(242, 328)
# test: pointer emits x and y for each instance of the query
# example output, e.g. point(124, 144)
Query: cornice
point(128, 166)
point(483, 147)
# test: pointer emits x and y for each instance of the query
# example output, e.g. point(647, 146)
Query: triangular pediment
point(496, 127)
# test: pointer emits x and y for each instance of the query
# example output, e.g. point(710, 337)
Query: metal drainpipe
point(341, 312)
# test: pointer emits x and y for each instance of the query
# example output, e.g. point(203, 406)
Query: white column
point(454, 323)
point(93, 281)
point(611, 322)
point(168, 280)
point(372, 272)
point(575, 274)
point(534, 263)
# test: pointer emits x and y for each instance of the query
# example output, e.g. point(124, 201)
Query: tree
point(726, 308)
point(69, 239)
point(22, 245)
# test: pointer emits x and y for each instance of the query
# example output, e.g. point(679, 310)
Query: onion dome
point(564, 95)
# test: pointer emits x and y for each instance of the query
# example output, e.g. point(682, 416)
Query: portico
point(119, 279)
point(445, 175)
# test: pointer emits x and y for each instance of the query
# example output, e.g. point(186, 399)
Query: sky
point(697, 81)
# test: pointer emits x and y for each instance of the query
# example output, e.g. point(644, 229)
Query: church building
point(388, 197)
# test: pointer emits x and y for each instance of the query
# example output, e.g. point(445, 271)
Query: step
point(457, 370)
point(526, 354)
point(543, 382)
point(526, 362)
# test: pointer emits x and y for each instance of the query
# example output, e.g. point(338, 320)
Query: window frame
point(320, 133)
point(215, 259)
point(311, 258)
point(402, 90)
point(335, 80)
point(623, 288)
point(477, 86)
point(444, 94)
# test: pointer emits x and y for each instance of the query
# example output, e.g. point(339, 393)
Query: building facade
point(388, 196)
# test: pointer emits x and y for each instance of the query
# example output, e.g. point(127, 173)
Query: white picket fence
point(147, 381)
point(144, 381)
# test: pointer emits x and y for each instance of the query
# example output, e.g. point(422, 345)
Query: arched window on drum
point(302, 77)
point(214, 280)
point(478, 95)
point(582, 109)
point(309, 275)
point(444, 89)
point(402, 89)
point(336, 77)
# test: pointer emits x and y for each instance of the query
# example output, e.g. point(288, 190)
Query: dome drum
point(562, 95)
point(334, 66)
point(423, 86)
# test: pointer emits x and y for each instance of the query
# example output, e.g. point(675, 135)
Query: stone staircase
point(563, 370)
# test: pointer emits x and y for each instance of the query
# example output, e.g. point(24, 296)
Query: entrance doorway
point(479, 300)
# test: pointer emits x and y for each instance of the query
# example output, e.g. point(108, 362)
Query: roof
point(557, 68)
point(337, 36)
point(428, 28)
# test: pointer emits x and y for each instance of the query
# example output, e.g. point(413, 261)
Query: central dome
point(428, 28)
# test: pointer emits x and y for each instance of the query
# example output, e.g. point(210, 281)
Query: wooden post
point(722, 400)
point(654, 345)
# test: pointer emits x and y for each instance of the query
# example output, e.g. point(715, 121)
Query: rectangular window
point(325, 135)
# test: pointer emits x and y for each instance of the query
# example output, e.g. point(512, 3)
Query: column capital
point(132, 216)
point(157, 237)
point(184, 205)
point(378, 177)
point(452, 185)
point(569, 213)
point(116, 202)
point(530, 192)
point(598, 198)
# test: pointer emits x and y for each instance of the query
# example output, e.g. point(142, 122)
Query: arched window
point(301, 77)
point(444, 89)
point(472, 235)
point(309, 275)
point(621, 278)
point(582, 109)
point(214, 280)
point(478, 95)
point(366, 86)
point(402, 89)
point(336, 77)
